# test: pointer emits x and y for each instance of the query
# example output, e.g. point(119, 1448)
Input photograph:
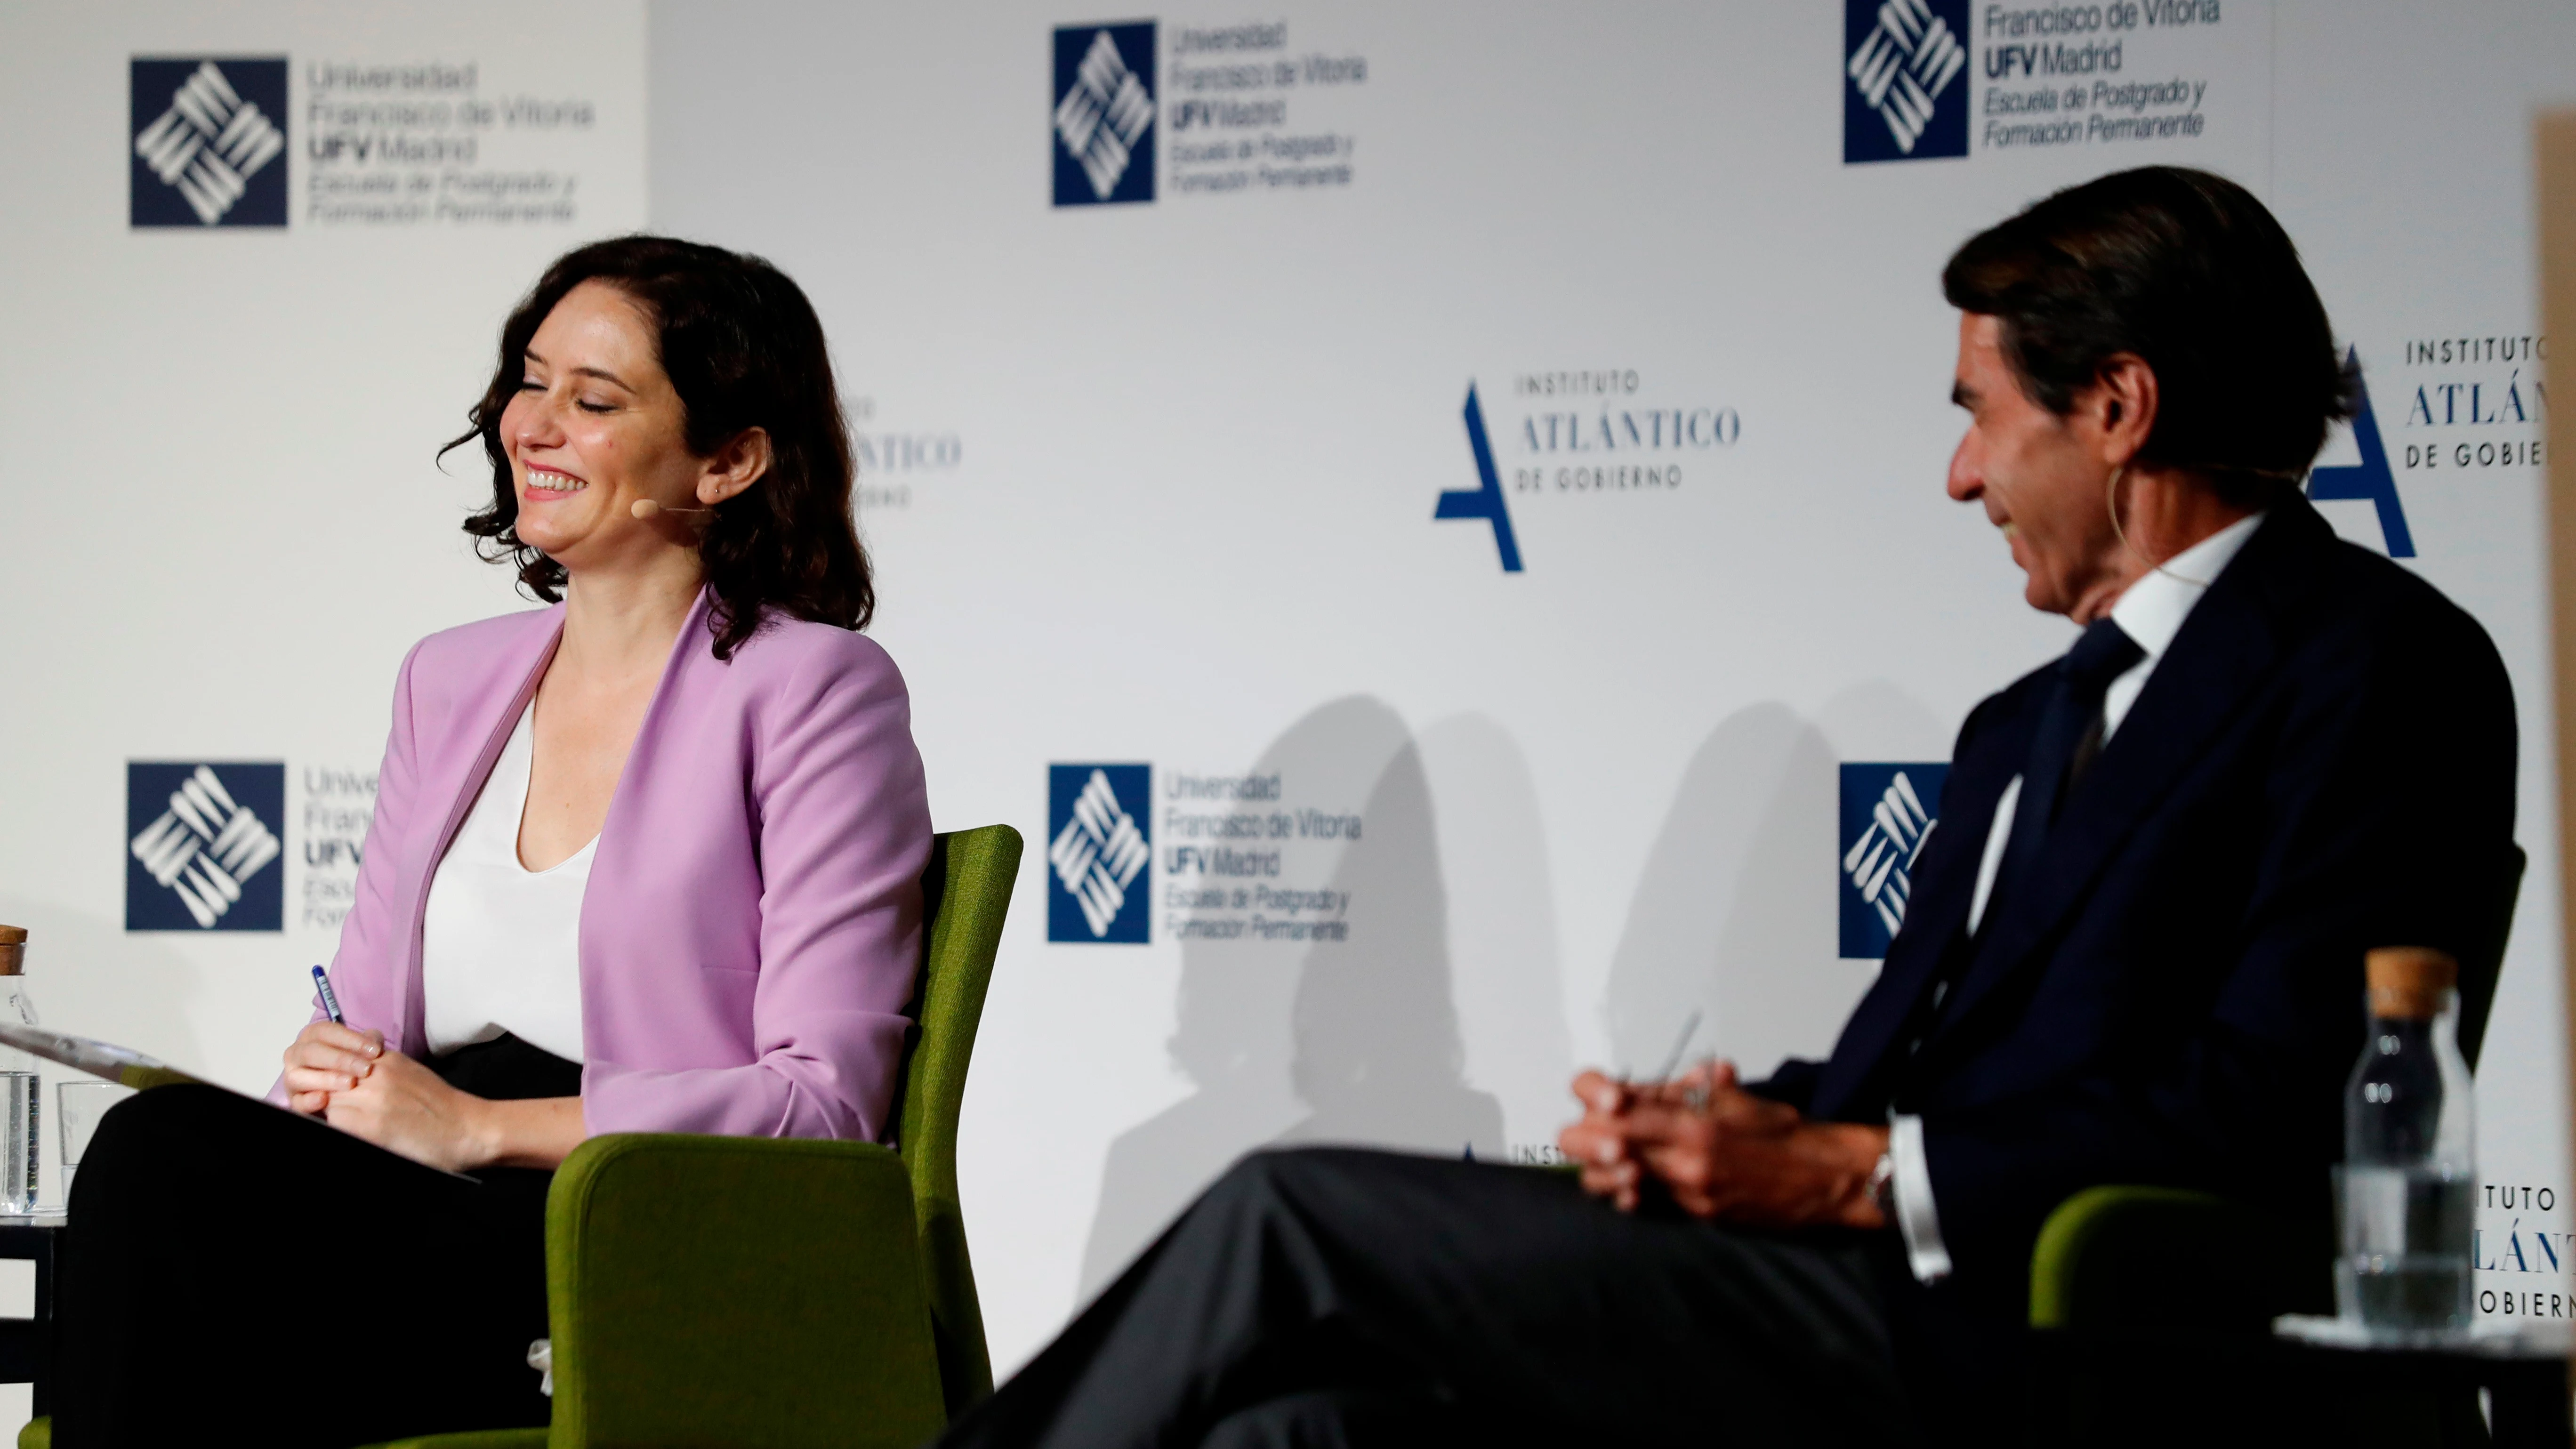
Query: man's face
point(2041, 477)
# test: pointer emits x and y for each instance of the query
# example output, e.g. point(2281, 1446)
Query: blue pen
point(330, 1003)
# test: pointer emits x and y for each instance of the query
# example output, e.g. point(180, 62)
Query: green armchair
point(756, 1293)
point(2127, 1255)
point(2116, 1263)
point(764, 1294)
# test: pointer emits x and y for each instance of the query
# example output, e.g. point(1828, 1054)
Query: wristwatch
point(1882, 1186)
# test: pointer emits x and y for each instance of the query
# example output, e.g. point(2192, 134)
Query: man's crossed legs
point(1342, 1296)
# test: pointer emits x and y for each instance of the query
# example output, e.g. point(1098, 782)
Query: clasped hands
point(1719, 1152)
point(1713, 1149)
point(350, 1079)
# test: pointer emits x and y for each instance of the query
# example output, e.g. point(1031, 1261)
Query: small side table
point(2178, 1384)
point(27, 1344)
point(2522, 1367)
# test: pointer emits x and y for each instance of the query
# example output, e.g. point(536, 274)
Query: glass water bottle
point(2406, 1193)
point(22, 1085)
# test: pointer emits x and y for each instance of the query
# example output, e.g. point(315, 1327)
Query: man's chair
point(2116, 1262)
point(775, 1293)
point(2127, 1256)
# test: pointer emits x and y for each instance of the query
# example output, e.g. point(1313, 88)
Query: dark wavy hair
point(743, 348)
point(2190, 272)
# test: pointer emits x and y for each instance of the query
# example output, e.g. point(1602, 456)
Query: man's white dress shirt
point(2150, 612)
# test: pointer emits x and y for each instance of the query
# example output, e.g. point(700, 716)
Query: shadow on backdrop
point(1350, 1041)
point(1734, 915)
point(1502, 926)
point(1877, 721)
point(89, 977)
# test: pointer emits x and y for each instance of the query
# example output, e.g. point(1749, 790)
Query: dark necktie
point(2069, 736)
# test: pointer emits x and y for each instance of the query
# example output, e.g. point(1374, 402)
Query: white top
point(500, 943)
point(2150, 612)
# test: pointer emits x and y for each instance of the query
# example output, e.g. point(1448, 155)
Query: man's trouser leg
point(1494, 1294)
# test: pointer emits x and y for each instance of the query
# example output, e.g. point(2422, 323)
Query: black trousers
point(1336, 1296)
point(231, 1272)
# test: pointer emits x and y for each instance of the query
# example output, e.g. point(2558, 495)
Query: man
point(2133, 952)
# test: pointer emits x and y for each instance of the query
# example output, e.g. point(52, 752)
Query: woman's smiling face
point(595, 426)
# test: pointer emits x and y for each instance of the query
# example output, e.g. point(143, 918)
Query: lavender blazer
point(752, 926)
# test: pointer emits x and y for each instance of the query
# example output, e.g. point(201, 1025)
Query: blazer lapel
point(1942, 893)
point(522, 667)
point(2223, 653)
point(692, 650)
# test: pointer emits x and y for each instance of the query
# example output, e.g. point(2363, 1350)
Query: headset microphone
point(647, 508)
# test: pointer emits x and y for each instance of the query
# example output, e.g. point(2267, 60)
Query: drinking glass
point(79, 1105)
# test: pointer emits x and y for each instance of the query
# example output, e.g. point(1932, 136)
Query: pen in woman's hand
point(330, 1003)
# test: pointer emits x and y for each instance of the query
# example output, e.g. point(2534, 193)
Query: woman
point(647, 860)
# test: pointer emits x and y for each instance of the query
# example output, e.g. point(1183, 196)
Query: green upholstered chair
point(2129, 1256)
point(752, 1292)
point(2116, 1262)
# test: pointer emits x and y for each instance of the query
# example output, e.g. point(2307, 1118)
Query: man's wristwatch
point(1882, 1186)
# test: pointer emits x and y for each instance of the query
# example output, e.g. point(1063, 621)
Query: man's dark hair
point(2189, 272)
point(744, 350)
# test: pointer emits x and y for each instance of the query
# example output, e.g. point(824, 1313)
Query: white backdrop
point(1200, 440)
point(1153, 483)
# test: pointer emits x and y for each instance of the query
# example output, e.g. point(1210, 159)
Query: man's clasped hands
point(1702, 1143)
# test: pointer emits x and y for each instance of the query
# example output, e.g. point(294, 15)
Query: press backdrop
point(1428, 518)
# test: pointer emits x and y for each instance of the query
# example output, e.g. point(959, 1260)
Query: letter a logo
point(2370, 478)
point(1486, 500)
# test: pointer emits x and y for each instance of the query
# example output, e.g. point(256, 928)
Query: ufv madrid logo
point(209, 142)
point(1904, 100)
point(1099, 820)
point(1485, 500)
point(1888, 812)
point(2370, 478)
point(199, 843)
point(1104, 113)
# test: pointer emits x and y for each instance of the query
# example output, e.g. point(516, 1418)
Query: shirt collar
point(2151, 611)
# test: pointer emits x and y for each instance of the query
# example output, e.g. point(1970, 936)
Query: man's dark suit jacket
point(2322, 762)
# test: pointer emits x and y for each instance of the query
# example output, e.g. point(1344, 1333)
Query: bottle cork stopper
point(13, 950)
point(2409, 982)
